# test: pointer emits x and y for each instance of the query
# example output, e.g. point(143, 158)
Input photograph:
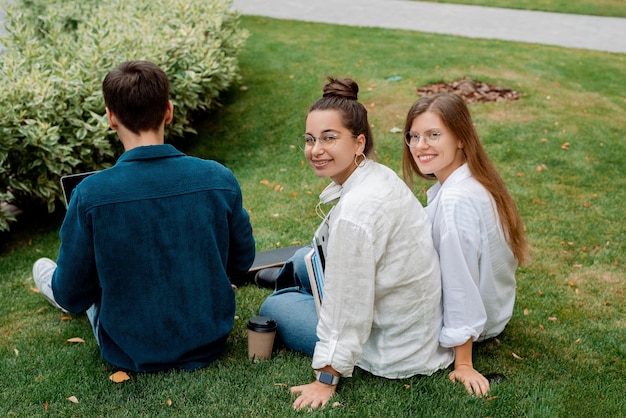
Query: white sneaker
point(43, 269)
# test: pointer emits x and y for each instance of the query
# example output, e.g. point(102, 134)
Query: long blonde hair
point(455, 115)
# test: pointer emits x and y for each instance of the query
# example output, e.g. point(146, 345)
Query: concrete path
point(572, 31)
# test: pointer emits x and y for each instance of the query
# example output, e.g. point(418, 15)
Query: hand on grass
point(314, 394)
point(474, 382)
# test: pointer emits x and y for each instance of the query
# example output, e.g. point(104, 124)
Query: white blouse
point(382, 296)
point(477, 264)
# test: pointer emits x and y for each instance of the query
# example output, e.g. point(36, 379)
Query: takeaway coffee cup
point(261, 333)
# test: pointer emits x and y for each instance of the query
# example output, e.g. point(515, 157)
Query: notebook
point(316, 262)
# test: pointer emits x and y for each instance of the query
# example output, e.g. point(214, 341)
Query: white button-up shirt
point(477, 264)
point(382, 297)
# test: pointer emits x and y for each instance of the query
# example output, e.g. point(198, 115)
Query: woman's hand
point(474, 382)
point(314, 394)
point(464, 372)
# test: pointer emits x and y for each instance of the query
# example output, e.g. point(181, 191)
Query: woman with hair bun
point(381, 309)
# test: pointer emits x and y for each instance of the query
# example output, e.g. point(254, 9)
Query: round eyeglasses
point(431, 137)
point(326, 140)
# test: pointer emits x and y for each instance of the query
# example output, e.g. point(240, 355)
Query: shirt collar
point(457, 176)
point(149, 152)
point(333, 191)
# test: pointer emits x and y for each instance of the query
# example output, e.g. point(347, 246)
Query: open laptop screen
point(70, 181)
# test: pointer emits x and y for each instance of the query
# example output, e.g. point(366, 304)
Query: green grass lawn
point(560, 148)
point(613, 8)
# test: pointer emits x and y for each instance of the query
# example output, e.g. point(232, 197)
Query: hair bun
point(345, 87)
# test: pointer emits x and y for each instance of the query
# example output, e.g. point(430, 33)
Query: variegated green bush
point(58, 51)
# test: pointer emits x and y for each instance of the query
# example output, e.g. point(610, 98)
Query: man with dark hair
point(148, 245)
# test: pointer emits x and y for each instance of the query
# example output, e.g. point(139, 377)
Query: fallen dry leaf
point(565, 146)
point(539, 292)
point(337, 404)
point(520, 174)
point(280, 384)
point(278, 188)
point(75, 340)
point(169, 402)
point(491, 398)
point(45, 406)
point(541, 327)
point(515, 356)
point(265, 182)
point(34, 290)
point(552, 318)
point(407, 386)
point(16, 351)
point(578, 341)
point(525, 311)
point(587, 204)
point(72, 399)
point(119, 377)
point(66, 318)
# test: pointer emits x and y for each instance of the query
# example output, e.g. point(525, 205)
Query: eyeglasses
point(326, 140)
point(430, 137)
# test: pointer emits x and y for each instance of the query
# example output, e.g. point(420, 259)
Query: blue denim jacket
point(154, 239)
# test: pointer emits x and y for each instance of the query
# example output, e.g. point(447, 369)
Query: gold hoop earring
point(362, 163)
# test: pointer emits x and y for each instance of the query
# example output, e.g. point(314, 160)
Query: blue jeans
point(293, 308)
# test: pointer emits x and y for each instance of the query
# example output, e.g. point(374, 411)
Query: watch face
point(326, 378)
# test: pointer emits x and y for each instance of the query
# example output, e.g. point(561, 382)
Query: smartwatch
point(326, 378)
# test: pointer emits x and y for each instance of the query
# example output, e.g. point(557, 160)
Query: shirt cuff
point(453, 337)
point(330, 354)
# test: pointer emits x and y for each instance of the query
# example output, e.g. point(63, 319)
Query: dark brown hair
point(342, 95)
point(137, 93)
point(455, 115)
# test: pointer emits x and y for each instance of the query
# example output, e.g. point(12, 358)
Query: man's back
point(157, 236)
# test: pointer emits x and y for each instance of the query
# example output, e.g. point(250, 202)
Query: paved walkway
point(572, 31)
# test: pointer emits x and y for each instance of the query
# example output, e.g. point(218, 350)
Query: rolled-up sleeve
point(464, 315)
point(348, 308)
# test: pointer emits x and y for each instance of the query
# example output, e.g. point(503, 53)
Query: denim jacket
point(154, 240)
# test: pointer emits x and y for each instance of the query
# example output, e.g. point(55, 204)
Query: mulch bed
point(472, 91)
